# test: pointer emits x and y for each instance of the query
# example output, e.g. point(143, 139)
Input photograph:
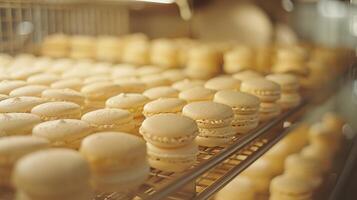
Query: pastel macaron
point(63, 132)
point(223, 83)
point(71, 83)
point(287, 82)
point(19, 104)
point(158, 130)
point(187, 84)
point(268, 111)
point(161, 92)
point(110, 119)
point(6, 86)
point(43, 79)
point(246, 75)
point(197, 94)
point(57, 110)
point(63, 95)
point(12, 148)
point(29, 90)
point(245, 107)
point(267, 91)
point(163, 105)
point(133, 102)
point(17, 123)
point(40, 174)
point(118, 161)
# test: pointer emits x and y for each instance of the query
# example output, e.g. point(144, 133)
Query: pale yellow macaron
point(133, 102)
point(17, 123)
point(155, 80)
point(174, 75)
point(223, 83)
point(40, 174)
point(268, 111)
point(43, 79)
point(240, 186)
point(100, 91)
point(197, 94)
point(287, 82)
point(57, 110)
point(110, 119)
point(161, 92)
point(246, 75)
point(71, 83)
point(64, 132)
point(29, 90)
point(20, 104)
point(118, 161)
point(267, 91)
point(63, 95)
point(187, 84)
point(131, 85)
point(164, 105)
point(6, 86)
point(13, 148)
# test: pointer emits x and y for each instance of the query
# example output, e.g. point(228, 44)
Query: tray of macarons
point(80, 129)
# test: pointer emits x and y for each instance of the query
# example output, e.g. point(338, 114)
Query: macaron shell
point(172, 160)
point(17, 123)
point(57, 110)
point(223, 83)
point(7, 86)
point(164, 105)
point(197, 94)
point(187, 84)
point(161, 92)
point(127, 101)
point(289, 100)
point(74, 84)
point(266, 90)
point(241, 103)
point(287, 82)
point(64, 95)
point(19, 104)
point(101, 91)
point(246, 75)
point(30, 90)
point(290, 187)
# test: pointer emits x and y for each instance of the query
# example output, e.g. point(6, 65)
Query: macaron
point(266, 90)
point(96, 79)
point(287, 82)
point(268, 111)
point(68, 95)
point(71, 83)
point(17, 123)
point(240, 186)
point(133, 102)
point(131, 85)
point(13, 148)
point(289, 100)
point(172, 159)
point(174, 75)
point(164, 105)
point(155, 80)
point(318, 153)
point(63, 132)
point(214, 121)
point(288, 187)
point(197, 94)
point(43, 79)
point(158, 130)
point(19, 104)
point(57, 110)
point(246, 75)
point(187, 84)
point(118, 161)
point(223, 83)
point(110, 119)
point(29, 90)
point(320, 135)
point(161, 92)
point(40, 174)
point(100, 91)
point(6, 86)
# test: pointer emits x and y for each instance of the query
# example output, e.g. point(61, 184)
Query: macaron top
point(113, 150)
point(63, 95)
point(43, 172)
point(101, 90)
point(162, 126)
point(304, 163)
point(287, 82)
point(207, 110)
point(56, 109)
point(11, 122)
point(148, 70)
point(96, 79)
point(29, 90)
point(291, 186)
point(155, 80)
point(73, 83)
point(197, 94)
point(131, 85)
point(223, 83)
point(161, 92)
point(108, 116)
point(261, 87)
point(164, 105)
point(62, 130)
point(127, 101)
point(6, 86)
point(43, 79)
point(174, 75)
point(13, 147)
point(239, 101)
point(19, 104)
point(187, 84)
point(246, 75)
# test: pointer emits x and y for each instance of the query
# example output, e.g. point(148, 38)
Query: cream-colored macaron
point(63, 95)
point(17, 123)
point(155, 80)
point(57, 110)
point(13, 148)
point(223, 83)
point(174, 75)
point(240, 186)
point(20, 104)
point(246, 75)
point(133, 85)
point(287, 82)
point(161, 92)
point(43, 79)
point(164, 105)
point(187, 84)
point(110, 119)
point(7, 86)
point(118, 161)
point(29, 90)
point(72, 83)
point(197, 94)
point(63, 132)
point(40, 174)
point(100, 91)
point(133, 102)
point(266, 90)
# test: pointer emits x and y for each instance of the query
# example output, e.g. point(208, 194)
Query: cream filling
point(221, 122)
point(68, 116)
point(245, 109)
point(149, 114)
point(174, 160)
point(168, 140)
point(219, 133)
